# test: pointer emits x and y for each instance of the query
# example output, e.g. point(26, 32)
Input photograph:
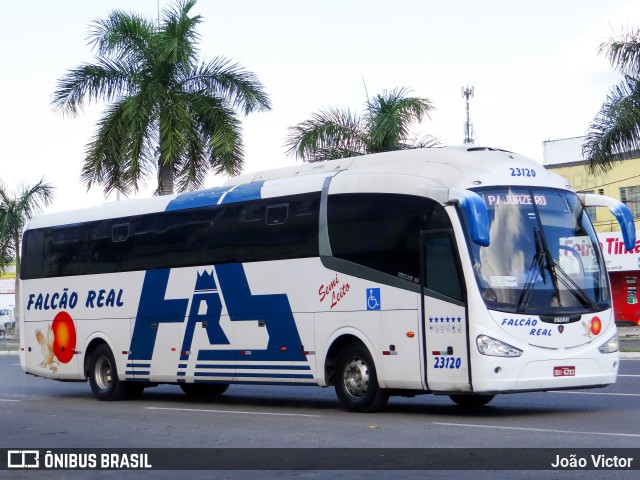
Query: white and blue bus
point(468, 272)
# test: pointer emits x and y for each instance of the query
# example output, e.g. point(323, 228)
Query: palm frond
point(426, 141)
point(32, 199)
point(105, 80)
point(325, 134)
point(177, 38)
point(390, 115)
point(122, 36)
point(614, 134)
point(229, 81)
point(189, 171)
point(16, 210)
point(222, 131)
point(624, 52)
point(118, 157)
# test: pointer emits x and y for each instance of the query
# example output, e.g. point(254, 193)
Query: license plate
point(564, 371)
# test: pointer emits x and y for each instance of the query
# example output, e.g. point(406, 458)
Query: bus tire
point(134, 389)
point(103, 375)
point(471, 401)
point(356, 382)
point(204, 389)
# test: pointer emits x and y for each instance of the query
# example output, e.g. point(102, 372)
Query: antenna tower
point(467, 93)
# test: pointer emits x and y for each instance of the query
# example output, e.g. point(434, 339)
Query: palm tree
point(384, 126)
point(168, 110)
point(614, 135)
point(15, 211)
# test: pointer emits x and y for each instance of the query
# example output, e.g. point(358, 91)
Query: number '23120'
point(522, 172)
point(447, 362)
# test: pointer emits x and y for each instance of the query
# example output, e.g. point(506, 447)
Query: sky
point(534, 66)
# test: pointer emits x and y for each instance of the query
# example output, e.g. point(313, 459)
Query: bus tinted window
point(194, 237)
point(442, 272)
point(382, 231)
point(63, 252)
point(287, 228)
point(260, 230)
point(379, 231)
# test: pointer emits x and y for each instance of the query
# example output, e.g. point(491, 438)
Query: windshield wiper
point(574, 288)
point(567, 281)
point(556, 272)
point(534, 271)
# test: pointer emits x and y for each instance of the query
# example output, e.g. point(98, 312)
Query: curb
point(630, 355)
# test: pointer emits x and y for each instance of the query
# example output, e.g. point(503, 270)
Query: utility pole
point(467, 93)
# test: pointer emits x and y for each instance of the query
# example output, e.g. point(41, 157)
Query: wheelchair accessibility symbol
point(373, 299)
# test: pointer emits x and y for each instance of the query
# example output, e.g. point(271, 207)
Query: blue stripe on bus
point(256, 375)
point(136, 372)
point(139, 380)
point(200, 198)
point(257, 367)
point(215, 196)
point(138, 365)
point(242, 193)
point(257, 382)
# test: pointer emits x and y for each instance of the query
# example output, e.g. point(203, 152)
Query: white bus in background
point(445, 270)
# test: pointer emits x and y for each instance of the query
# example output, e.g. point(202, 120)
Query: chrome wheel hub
point(356, 377)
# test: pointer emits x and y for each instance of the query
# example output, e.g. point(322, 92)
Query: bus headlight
point(610, 346)
point(496, 348)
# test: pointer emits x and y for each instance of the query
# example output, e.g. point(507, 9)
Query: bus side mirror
point(619, 210)
point(476, 211)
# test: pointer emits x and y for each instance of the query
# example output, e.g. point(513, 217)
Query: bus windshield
point(543, 257)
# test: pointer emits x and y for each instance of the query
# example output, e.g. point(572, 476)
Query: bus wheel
point(356, 382)
point(471, 401)
point(204, 389)
point(103, 376)
point(134, 389)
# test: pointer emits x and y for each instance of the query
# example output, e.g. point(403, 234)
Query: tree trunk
point(17, 301)
point(165, 178)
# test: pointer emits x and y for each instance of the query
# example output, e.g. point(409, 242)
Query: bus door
point(444, 314)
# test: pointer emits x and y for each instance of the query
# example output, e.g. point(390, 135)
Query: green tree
point(385, 125)
point(15, 211)
point(614, 134)
point(168, 112)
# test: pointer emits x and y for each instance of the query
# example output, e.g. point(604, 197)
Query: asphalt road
point(40, 413)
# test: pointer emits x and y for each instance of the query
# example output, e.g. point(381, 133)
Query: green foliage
point(385, 125)
point(614, 134)
point(168, 112)
point(15, 211)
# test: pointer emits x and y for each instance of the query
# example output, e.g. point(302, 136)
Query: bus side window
point(251, 212)
point(285, 230)
point(376, 230)
point(194, 237)
point(140, 246)
point(34, 264)
point(441, 269)
point(63, 247)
